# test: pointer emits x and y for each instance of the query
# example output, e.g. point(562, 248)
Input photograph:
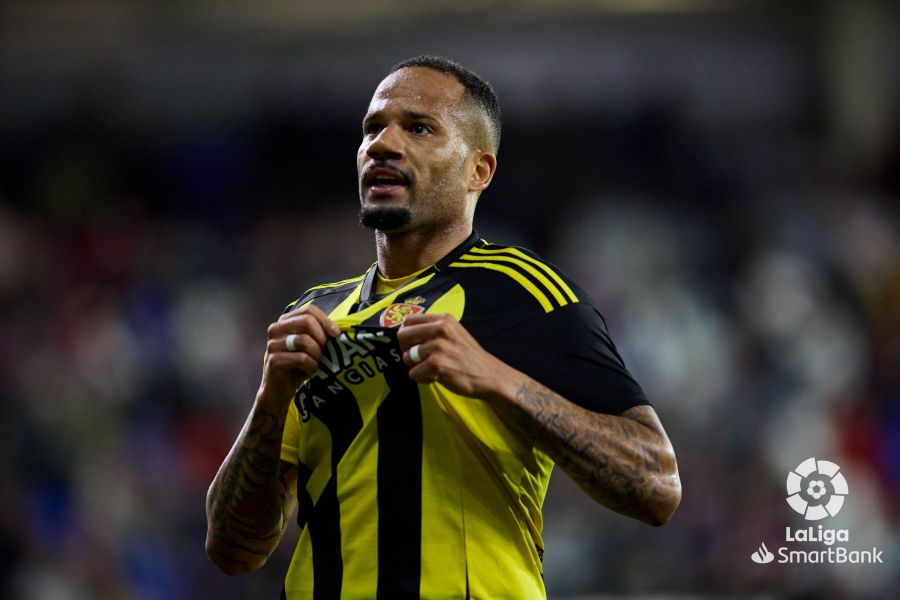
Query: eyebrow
point(406, 113)
point(418, 115)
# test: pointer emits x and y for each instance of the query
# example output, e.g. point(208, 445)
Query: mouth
point(384, 180)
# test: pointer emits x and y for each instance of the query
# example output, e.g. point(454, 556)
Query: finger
point(424, 372)
point(302, 343)
point(424, 318)
point(409, 335)
point(316, 313)
point(327, 324)
point(299, 324)
point(293, 360)
point(416, 333)
point(425, 349)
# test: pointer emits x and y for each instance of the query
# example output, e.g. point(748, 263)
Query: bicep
point(644, 417)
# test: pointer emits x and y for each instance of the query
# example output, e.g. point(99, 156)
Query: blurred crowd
point(750, 281)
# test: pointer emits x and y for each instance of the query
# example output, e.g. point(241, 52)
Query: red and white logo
point(395, 314)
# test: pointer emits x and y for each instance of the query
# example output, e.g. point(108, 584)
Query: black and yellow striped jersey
point(408, 490)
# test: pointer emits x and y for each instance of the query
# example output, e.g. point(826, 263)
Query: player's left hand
point(449, 355)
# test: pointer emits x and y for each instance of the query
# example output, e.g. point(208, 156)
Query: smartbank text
point(831, 555)
point(828, 537)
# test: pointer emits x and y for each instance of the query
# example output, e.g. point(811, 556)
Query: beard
point(384, 218)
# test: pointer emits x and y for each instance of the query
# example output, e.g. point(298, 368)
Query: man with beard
point(414, 413)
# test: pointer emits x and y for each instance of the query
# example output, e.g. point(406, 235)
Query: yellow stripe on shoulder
point(525, 266)
point(336, 283)
point(323, 286)
point(293, 305)
point(540, 296)
point(543, 266)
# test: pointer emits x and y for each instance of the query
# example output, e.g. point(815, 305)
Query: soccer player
point(413, 414)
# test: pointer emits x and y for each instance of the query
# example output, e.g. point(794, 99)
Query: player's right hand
point(285, 369)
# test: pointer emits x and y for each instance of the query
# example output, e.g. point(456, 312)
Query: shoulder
point(523, 275)
point(326, 294)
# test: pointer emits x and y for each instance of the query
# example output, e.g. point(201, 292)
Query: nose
point(387, 144)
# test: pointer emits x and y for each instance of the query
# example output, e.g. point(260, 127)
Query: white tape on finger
point(414, 354)
point(289, 342)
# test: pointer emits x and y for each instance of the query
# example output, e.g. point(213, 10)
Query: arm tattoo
point(246, 501)
point(624, 464)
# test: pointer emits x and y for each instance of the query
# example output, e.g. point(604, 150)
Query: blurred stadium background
point(722, 176)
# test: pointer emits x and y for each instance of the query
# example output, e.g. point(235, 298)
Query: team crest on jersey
point(395, 314)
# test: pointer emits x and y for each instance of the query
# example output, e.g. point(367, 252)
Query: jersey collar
point(366, 293)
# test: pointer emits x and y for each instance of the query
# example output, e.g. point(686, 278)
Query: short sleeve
point(569, 351)
point(290, 440)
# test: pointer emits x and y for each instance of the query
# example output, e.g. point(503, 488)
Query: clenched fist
point(448, 354)
point(293, 350)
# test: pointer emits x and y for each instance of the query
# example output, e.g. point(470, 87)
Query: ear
point(483, 169)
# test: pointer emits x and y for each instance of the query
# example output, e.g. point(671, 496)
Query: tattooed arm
point(252, 497)
point(254, 493)
point(625, 462)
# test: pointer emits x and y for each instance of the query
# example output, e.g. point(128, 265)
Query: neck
point(402, 253)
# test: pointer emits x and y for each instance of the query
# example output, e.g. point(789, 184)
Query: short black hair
point(477, 89)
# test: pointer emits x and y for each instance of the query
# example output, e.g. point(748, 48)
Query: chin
point(385, 218)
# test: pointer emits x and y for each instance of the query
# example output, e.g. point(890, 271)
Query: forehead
point(418, 89)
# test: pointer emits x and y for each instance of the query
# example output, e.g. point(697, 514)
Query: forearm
point(244, 506)
point(622, 463)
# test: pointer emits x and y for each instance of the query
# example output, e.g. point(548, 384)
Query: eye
point(372, 128)
point(420, 129)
